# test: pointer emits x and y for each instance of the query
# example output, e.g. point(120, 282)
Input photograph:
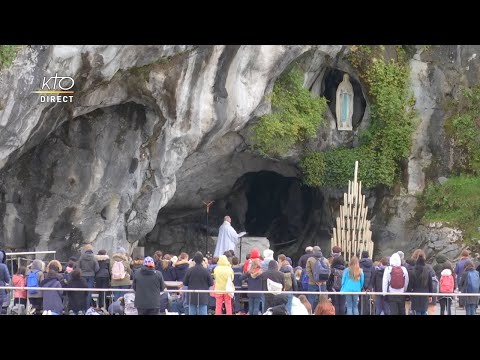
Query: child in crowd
point(324, 306)
point(19, 279)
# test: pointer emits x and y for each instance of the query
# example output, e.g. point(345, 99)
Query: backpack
point(397, 278)
point(32, 281)
point(379, 279)
point(446, 284)
point(288, 281)
point(435, 284)
point(337, 279)
point(304, 280)
point(118, 271)
point(321, 270)
point(473, 282)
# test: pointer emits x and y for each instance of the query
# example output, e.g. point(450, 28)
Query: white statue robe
point(227, 239)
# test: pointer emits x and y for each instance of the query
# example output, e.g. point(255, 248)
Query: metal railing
point(32, 253)
point(16, 256)
point(455, 296)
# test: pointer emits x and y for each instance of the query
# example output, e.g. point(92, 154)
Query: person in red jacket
point(254, 254)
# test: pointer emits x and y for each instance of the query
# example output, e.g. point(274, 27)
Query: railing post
point(361, 303)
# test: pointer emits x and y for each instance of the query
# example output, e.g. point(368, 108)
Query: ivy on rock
point(296, 116)
point(388, 139)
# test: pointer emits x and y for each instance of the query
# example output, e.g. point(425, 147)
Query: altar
point(248, 243)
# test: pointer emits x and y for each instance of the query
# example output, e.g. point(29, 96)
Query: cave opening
point(281, 209)
point(264, 203)
point(276, 206)
point(331, 79)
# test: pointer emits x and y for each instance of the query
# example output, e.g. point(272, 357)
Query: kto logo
point(55, 89)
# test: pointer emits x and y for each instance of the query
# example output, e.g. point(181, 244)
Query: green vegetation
point(456, 202)
point(8, 54)
point(388, 140)
point(334, 168)
point(464, 128)
point(296, 116)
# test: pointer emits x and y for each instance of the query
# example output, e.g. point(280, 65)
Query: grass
point(457, 202)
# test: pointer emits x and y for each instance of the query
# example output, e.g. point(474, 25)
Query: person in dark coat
point(381, 302)
point(274, 275)
point(420, 281)
point(89, 266)
point(237, 282)
point(460, 266)
point(148, 285)
point(254, 281)
point(167, 269)
point(158, 257)
point(302, 262)
point(102, 277)
point(470, 302)
point(432, 299)
point(198, 278)
point(52, 300)
point(77, 300)
point(366, 264)
point(181, 266)
point(410, 265)
point(338, 301)
point(459, 269)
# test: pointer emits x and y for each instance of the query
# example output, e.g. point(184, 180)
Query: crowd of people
point(271, 277)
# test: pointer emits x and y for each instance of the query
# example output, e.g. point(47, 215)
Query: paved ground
point(456, 310)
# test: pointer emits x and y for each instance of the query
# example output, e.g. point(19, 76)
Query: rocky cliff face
point(99, 169)
point(153, 131)
point(438, 75)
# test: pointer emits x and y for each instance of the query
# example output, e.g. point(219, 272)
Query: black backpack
point(379, 279)
point(337, 279)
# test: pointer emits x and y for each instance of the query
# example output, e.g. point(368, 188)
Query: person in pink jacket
point(19, 280)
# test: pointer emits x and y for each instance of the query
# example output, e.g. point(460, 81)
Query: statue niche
point(344, 104)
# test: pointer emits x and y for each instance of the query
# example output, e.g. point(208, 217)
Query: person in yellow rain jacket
point(222, 273)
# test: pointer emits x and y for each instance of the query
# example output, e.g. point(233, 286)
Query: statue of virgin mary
point(344, 104)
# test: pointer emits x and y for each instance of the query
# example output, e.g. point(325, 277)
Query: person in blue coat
point(352, 281)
